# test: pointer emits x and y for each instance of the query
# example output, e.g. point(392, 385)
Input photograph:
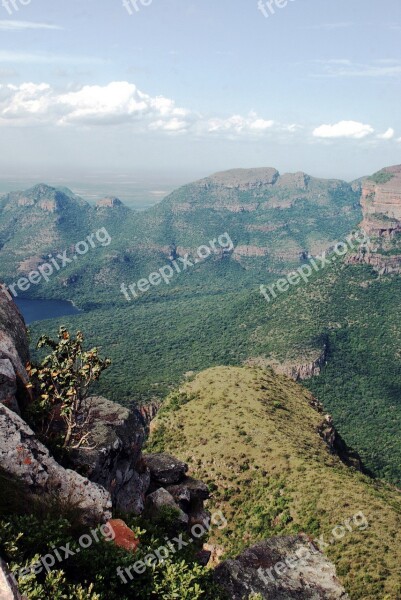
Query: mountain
point(342, 323)
point(273, 219)
point(269, 454)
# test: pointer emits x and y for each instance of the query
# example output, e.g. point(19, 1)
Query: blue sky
point(191, 87)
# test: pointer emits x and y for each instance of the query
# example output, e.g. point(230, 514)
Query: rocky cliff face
point(25, 460)
point(109, 202)
point(295, 369)
point(13, 355)
point(381, 205)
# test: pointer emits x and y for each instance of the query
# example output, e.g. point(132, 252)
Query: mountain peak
point(245, 178)
point(44, 197)
point(109, 202)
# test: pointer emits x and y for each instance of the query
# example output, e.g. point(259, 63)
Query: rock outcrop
point(13, 355)
point(8, 585)
point(170, 486)
point(114, 459)
point(381, 206)
point(25, 460)
point(244, 179)
point(282, 568)
point(294, 369)
point(381, 203)
point(160, 500)
point(300, 372)
point(337, 445)
point(109, 202)
point(165, 469)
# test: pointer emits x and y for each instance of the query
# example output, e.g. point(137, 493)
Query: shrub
point(64, 379)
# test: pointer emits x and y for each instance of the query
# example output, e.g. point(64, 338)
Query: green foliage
point(381, 177)
point(91, 574)
point(64, 379)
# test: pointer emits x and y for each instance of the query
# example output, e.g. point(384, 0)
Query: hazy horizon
point(193, 88)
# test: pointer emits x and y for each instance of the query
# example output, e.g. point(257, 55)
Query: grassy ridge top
point(252, 435)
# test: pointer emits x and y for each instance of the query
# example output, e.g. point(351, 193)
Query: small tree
point(64, 378)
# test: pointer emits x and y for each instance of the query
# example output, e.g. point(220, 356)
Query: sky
point(189, 87)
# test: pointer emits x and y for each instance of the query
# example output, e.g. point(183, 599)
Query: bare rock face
point(381, 206)
point(165, 469)
point(281, 568)
point(115, 461)
point(109, 202)
point(28, 462)
point(381, 203)
point(14, 354)
point(8, 585)
point(308, 370)
point(190, 495)
point(160, 499)
point(337, 445)
point(294, 369)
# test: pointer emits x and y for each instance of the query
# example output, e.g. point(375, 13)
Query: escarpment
point(381, 206)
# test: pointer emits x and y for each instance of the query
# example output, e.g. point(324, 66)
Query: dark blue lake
point(38, 310)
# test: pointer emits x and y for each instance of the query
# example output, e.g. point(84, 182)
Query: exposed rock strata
point(273, 570)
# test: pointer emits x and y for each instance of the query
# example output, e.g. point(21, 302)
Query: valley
point(213, 314)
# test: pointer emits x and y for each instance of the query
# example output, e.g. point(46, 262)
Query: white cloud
point(238, 125)
point(387, 135)
point(344, 129)
point(292, 128)
point(172, 125)
point(122, 103)
point(346, 68)
point(115, 103)
point(23, 25)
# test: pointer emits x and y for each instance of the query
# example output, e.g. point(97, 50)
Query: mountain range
point(340, 327)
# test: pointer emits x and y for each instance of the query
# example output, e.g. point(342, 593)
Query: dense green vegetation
point(381, 177)
point(350, 309)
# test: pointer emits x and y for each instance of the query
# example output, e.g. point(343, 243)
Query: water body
point(39, 310)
